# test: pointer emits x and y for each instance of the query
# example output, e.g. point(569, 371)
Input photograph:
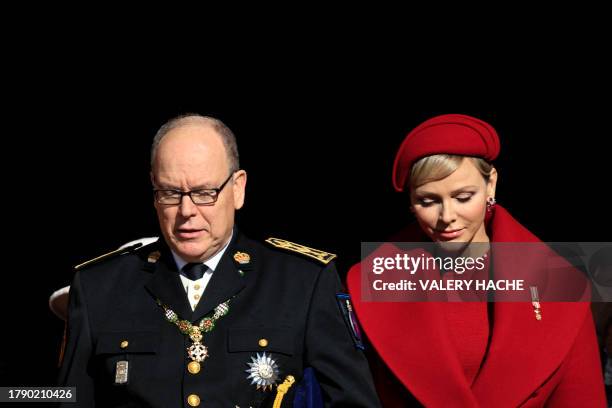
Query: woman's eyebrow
point(458, 190)
point(463, 189)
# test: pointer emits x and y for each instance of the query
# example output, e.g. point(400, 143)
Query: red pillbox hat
point(445, 134)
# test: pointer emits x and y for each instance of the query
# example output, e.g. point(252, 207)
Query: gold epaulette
point(110, 254)
point(321, 256)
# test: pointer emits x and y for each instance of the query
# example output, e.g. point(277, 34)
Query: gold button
point(193, 367)
point(263, 342)
point(124, 344)
point(196, 286)
point(193, 400)
point(196, 296)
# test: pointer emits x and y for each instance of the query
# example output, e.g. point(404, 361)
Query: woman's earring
point(491, 203)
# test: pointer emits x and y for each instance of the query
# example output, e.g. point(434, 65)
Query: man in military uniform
point(207, 316)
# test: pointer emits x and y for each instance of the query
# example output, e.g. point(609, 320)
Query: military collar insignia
point(321, 256)
point(153, 257)
point(242, 260)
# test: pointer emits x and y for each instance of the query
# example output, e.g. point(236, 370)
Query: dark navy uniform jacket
point(282, 297)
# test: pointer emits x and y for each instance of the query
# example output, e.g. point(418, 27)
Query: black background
point(318, 149)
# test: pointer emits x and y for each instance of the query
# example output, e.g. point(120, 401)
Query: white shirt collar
point(211, 262)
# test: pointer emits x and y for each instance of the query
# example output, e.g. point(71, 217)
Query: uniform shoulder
point(301, 250)
point(133, 247)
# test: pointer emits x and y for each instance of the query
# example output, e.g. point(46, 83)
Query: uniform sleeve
point(74, 368)
point(340, 367)
point(582, 383)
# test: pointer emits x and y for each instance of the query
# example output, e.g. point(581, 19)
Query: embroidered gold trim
point(321, 256)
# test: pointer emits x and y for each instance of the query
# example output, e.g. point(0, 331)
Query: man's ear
point(239, 188)
point(153, 184)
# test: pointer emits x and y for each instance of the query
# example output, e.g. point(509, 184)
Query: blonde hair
point(438, 166)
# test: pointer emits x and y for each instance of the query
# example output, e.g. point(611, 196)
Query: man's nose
point(186, 207)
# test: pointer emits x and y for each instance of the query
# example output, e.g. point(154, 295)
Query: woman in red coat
point(472, 354)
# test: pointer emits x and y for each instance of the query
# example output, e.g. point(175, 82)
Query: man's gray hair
point(229, 140)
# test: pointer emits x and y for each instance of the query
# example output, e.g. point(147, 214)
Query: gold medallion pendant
point(197, 352)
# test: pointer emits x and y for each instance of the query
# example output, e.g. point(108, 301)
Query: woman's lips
point(450, 234)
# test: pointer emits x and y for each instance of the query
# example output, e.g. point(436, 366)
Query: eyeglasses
point(206, 196)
